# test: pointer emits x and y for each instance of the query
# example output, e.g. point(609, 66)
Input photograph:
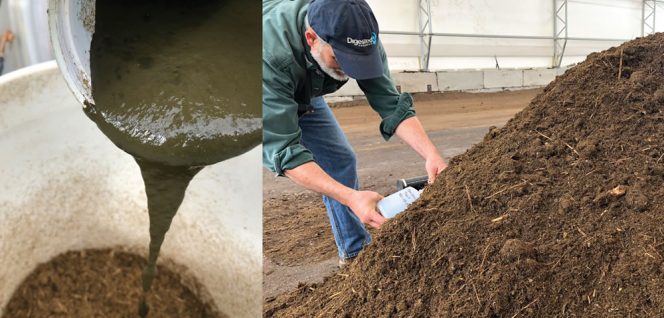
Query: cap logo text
point(362, 42)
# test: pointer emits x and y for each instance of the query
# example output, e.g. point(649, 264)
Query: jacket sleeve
point(281, 133)
point(384, 98)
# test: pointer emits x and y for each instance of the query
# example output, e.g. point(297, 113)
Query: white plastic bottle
point(397, 202)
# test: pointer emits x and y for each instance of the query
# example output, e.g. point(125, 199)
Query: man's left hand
point(434, 165)
point(412, 132)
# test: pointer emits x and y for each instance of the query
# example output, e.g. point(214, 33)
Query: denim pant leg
point(322, 135)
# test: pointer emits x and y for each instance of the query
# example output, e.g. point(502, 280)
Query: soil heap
point(558, 213)
point(104, 283)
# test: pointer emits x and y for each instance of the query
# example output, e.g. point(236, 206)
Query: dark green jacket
point(290, 75)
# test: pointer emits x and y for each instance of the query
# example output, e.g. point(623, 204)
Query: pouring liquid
point(175, 85)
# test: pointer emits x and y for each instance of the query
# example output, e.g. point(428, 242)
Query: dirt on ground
point(103, 283)
point(558, 213)
point(296, 230)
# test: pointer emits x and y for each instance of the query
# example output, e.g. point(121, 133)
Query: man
point(311, 49)
point(7, 37)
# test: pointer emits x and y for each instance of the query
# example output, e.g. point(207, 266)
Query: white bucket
point(71, 25)
point(58, 172)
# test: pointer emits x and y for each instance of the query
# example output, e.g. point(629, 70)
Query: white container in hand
point(397, 202)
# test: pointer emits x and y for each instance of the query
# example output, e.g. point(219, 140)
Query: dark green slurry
point(176, 85)
point(177, 82)
point(165, 187)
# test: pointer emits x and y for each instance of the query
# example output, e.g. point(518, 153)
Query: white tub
point(57, 171)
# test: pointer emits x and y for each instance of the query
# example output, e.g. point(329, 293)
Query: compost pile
point(558, 213)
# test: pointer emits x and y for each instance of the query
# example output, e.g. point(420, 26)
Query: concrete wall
point(476, 80)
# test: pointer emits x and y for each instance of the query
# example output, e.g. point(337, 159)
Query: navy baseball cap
point(350, 27)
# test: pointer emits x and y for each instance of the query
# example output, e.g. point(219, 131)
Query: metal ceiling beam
point(503, 36)
point(559, 31)
point(426, 30)
point(648, 17)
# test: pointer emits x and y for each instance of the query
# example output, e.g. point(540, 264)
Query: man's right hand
point(363, 204)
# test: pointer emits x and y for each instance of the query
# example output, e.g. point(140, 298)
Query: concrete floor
point(454, 121)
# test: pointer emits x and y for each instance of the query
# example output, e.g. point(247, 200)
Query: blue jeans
point(322, 135)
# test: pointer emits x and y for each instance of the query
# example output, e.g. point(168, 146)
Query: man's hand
point(363, 204)
point(434, 165)
point(411, 131)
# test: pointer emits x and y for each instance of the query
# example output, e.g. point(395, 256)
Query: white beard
point(328, 70)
